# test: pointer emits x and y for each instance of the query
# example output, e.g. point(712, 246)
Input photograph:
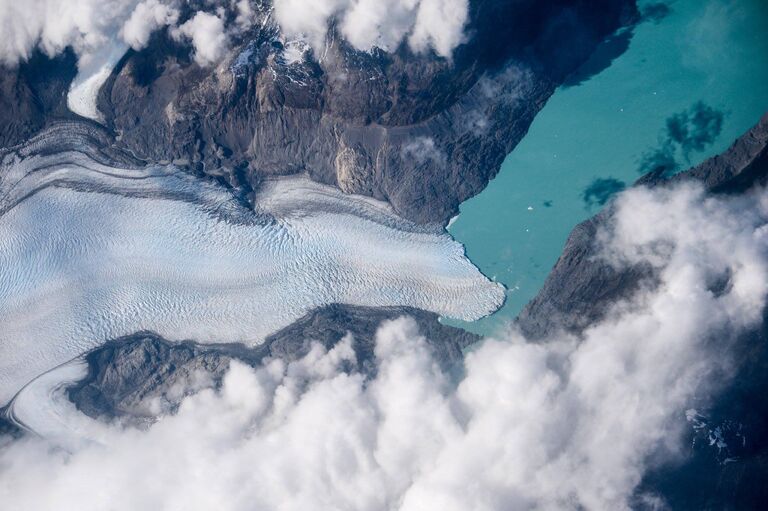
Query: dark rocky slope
point(579, 291)
point(420, 131)
point(32, 94)
point(127, 372)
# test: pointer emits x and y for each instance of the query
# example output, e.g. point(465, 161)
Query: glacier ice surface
point(42, 407)
point(93, 71)
point(90, 252)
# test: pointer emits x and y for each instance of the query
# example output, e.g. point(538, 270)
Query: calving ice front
point(570, 423)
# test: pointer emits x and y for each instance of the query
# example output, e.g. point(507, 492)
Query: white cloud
point(440, 25)
point(208, 36)
point(85, 25)
point(425, 24)
point(307, 18)
point(245, 14)
point(53, 25)
point(567, 424)
point(147, 17)
point(422, 149)
point(89, 25)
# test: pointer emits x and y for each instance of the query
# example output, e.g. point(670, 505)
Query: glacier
point(42, 407)
point(91, 250)
point(92, 72)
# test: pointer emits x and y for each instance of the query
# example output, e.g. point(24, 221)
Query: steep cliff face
point(581, 287)
point(418, 130)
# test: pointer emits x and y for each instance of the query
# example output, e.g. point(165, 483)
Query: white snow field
point(89, 252)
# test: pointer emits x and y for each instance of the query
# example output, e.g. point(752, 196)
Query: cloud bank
point(147, 17)
point(53, 25)
point(424, 24)
point(567, 424)
point(89, 25)
point(206, 31)
point(85, 25)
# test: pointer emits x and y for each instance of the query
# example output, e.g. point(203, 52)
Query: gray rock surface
point(32, 94)
point(126, 373)
point(421, 131)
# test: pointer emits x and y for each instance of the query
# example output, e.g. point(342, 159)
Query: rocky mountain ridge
point(418, 130)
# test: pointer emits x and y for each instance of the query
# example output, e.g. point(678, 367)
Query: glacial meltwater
point(691, 79)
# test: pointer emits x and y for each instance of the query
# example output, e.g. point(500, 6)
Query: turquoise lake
point(693, 78)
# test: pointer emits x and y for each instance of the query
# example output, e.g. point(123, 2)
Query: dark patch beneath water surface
point(600, 190)
point(615, 45)
point(691, 131)
point(611, 49)
point(655, 12)
point(695, 129)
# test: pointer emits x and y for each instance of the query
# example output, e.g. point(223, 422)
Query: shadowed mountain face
point(726, 463)
point(32, 93)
